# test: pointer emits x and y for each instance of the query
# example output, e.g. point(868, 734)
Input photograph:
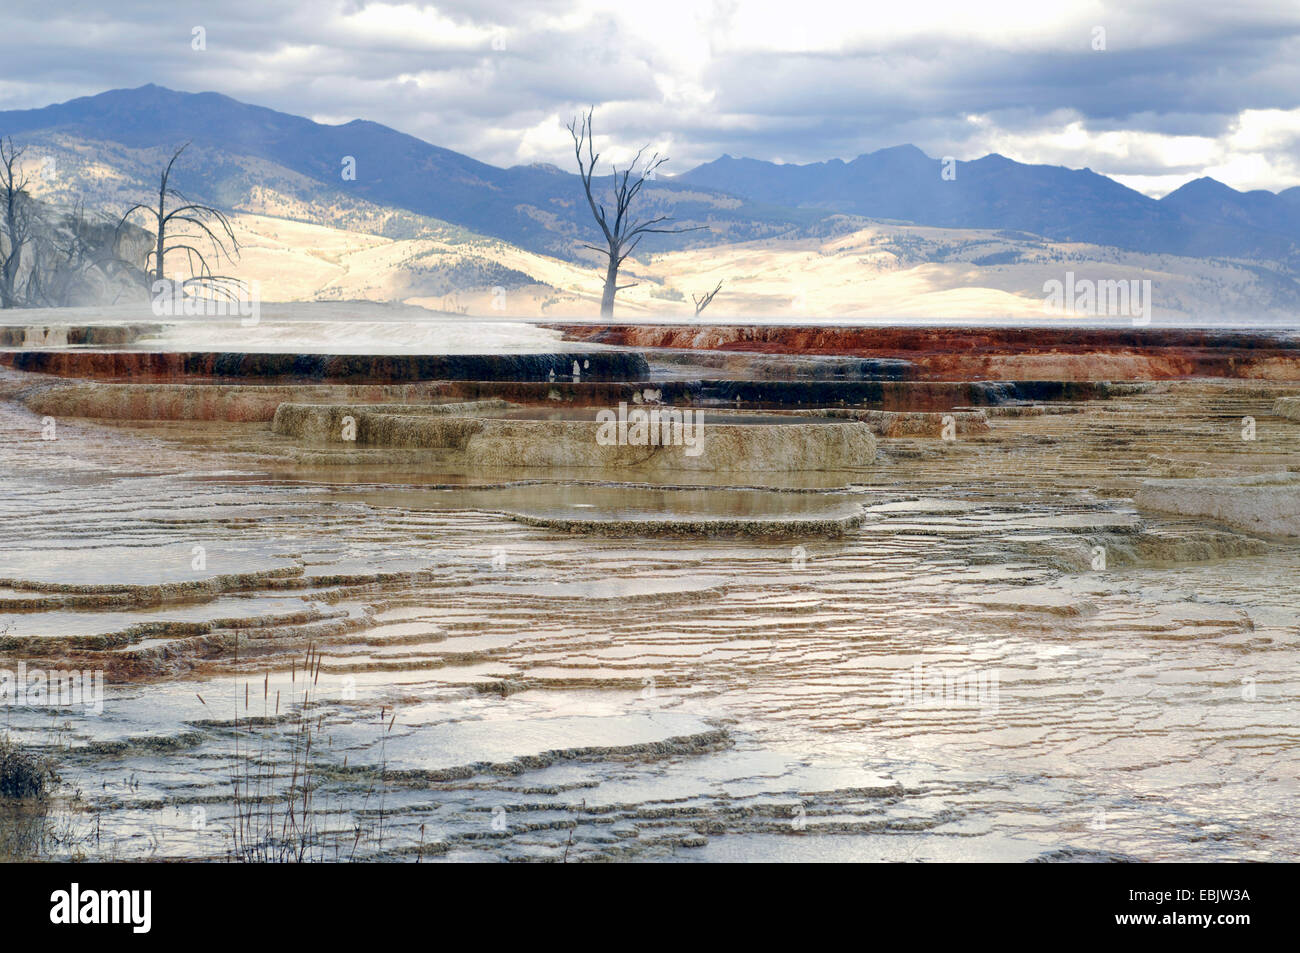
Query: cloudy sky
point(1152, 92)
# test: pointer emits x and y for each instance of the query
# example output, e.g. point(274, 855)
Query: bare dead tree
point(16, 222)
point(178, 230)
point(625, 232)
point(703, 301)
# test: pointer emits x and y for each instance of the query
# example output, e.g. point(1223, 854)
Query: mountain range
point(540, 207)
point(965, 237)
point(1202, 218)
point(537, 207)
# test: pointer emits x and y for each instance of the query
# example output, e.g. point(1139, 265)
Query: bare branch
point(703, 301)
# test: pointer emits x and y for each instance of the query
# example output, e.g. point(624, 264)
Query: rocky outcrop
point(889, 423)
point(69, 335)
point(494, 442)
point(973, 353)
point(350, 368)
point(898, 408)
point(1288, 407)
point(723, 447)
point(905, 396)
point(406, 426)
point(783, 366)
point(882, 395)
point(230, 402)
point(1266, 504)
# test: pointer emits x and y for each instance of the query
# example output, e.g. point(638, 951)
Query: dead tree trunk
point(625, 232)
point(611, 286)
point(16, 222)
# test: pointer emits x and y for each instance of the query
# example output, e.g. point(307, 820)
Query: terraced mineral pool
point(1006, 660)
point(146, 563)
point(706, 417)
point(622, 502)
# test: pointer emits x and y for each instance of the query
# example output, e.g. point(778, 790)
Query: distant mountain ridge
point(538, 207)
point(239, 148)
point(1203, 218)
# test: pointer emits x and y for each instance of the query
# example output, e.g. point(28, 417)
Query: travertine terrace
point(995, 610)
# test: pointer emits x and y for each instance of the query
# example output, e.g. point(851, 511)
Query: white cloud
point(1183, 88)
